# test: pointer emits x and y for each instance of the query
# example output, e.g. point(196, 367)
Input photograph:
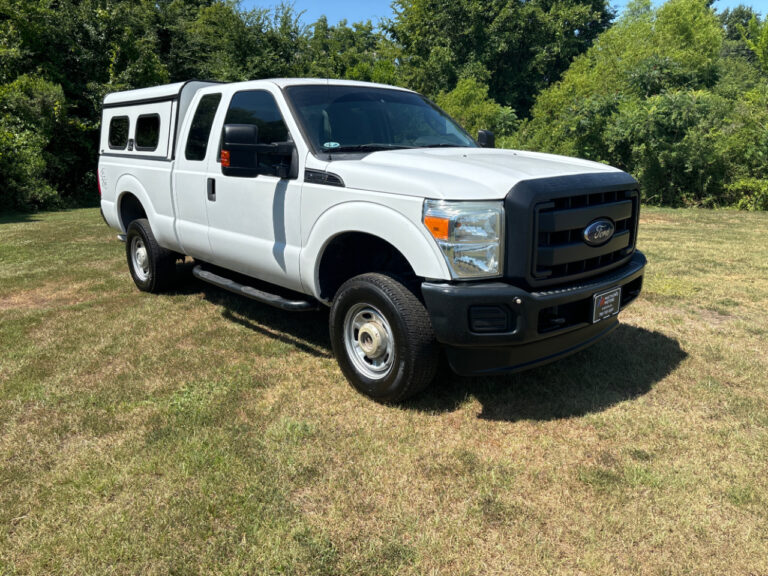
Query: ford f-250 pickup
point(369, 199)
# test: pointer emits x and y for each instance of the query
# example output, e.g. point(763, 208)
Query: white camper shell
point(143, 123)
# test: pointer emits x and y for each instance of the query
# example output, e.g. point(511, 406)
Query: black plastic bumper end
point(510, 359)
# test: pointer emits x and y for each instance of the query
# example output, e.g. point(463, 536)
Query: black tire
point(404, 368)
point(159, 265)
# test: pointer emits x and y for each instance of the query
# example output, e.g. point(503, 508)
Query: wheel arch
point(374, 226)
point(132, 202)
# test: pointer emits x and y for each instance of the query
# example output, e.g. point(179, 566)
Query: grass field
point(198, 433)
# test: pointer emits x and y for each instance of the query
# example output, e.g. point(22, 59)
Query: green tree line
point(678, 96)
point(675, 95)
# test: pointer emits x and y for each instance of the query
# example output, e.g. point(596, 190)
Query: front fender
point(413, 241)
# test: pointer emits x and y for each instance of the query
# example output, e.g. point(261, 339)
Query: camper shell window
point(118, 132)
point(147, 132)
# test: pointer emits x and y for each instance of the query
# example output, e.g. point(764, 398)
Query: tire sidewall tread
point(162, 262)
point(416, 350)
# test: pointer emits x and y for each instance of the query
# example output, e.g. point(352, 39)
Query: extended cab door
point(197, 146)
point(255, 221)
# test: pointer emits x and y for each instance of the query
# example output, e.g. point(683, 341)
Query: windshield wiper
point(442, 145)
point(365, 148)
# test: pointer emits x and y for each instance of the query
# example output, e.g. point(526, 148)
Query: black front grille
point(560, 252)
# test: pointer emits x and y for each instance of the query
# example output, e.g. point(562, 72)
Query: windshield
point(363, 119)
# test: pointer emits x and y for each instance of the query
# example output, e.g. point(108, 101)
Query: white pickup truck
point(370, 200)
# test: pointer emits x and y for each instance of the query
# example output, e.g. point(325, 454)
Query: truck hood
point(455, 173)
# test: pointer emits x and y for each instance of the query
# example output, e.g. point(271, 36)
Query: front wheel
point(382, 338)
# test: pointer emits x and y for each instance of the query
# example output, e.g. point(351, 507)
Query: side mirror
point(486, 139)
point(241, 134)
point(240, 152)
point(239, 155)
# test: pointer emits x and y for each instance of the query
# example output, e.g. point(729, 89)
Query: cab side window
point(258, 107)
point(200, 131)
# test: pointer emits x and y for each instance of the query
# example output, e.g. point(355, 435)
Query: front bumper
point(493, 327)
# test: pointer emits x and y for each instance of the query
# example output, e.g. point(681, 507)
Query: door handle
point(211, 189)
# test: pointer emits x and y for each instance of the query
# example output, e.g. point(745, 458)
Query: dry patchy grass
point(195, 432)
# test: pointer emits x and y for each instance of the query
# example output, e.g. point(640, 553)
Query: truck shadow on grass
point(306, 331)
point(625, 365)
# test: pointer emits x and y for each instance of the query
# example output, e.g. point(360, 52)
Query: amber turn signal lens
point(225, 158)
point(438, 227)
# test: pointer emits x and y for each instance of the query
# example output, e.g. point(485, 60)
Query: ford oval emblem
point(599, 232)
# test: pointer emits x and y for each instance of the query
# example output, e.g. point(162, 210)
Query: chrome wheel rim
point(140, 259)
point(369, 341)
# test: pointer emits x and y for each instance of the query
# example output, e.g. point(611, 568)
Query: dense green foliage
point(675, 95)
point(470, 104)
point(59, 58)
point(32, 115)
point(517, 47)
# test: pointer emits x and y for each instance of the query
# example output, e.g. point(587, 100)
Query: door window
point(258, 107)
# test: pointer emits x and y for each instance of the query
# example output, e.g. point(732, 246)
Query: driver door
point(254, 221)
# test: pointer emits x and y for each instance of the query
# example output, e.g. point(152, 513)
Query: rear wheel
point(152, 267)
point(382, 338)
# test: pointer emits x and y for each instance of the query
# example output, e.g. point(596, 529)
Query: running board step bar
point(253, 293)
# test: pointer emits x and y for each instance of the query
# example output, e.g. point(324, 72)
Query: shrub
point(30, 113)
point(751, 194)
point(670, 142)
point(22, 169)
point(471, 106)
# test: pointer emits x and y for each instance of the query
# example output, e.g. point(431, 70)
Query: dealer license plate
point(606, 304)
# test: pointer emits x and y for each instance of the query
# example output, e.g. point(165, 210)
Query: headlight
point(469, 234)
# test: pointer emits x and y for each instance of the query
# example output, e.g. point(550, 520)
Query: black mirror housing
point(236, 135)
point(486, 139)
point(239, 156)
point(240, 151)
